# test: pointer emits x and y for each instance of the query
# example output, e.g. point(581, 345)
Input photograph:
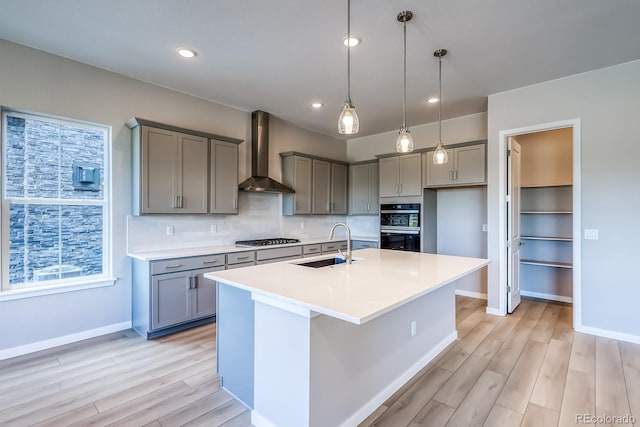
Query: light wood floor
point(527, 369)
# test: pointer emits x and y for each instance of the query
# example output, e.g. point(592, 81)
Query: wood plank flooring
point(526, 369)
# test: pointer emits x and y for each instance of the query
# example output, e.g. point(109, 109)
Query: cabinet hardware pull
point(455, 175)
point(173, 266)
point(195, 282)
point(210, 262)
point(243, 257)
point(450, 175)
point(190, 282)
point(313, 250)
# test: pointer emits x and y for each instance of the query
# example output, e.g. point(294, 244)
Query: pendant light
point(348, 123)
point(404, 141)
point(440, 156)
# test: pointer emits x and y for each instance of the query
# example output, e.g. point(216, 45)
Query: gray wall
point(607, 101)
point(31, 80)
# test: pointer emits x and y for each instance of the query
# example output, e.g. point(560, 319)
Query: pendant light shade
point(404, 142)
point(440, 156)
point(348, 122)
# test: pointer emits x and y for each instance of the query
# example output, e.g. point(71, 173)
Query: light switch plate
point(169, 230)
point(484, 227)
point(591, 234)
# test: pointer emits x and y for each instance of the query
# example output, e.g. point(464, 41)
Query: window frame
point(33, 288)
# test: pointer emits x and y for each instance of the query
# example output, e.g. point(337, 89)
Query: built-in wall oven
point(400, 226)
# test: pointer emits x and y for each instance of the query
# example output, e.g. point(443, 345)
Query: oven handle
point(400, 231)
point(410, 211)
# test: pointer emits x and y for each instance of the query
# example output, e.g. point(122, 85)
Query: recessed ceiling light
point(352, 41)
point(432, 100)
point(317, 105)
point(186, 53)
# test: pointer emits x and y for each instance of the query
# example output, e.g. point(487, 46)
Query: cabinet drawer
point(363, 244)
point(241, 257)
point(240, 265)
point(334, 246)
point(272, 260)
point(182, 264)
point(312, 249)
point(290, 251)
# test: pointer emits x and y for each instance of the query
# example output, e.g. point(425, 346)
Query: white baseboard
point(546, 296)
point(495, 311)
point(257, 420)
point(66, 339)
point(471, 294)
point(605, 333)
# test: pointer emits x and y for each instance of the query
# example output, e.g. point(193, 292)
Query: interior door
point(513, 225)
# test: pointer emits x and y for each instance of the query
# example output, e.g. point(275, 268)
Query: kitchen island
point(326, 346)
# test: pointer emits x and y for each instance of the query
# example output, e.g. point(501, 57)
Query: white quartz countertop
point(375, 283)
point(161, 254)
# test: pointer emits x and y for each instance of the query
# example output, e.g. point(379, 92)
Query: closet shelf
point(546, 212)
point(552, 239)
point(547, 263)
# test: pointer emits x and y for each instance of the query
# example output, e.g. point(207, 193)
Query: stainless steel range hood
point(259, 180)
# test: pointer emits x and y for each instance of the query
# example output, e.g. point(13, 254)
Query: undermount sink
point(324, 262)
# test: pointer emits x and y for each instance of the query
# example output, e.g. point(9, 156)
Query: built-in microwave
point(400, 226)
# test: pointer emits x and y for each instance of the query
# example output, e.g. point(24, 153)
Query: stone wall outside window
point(63, 232)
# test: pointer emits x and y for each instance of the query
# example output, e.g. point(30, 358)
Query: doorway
point(541, 215)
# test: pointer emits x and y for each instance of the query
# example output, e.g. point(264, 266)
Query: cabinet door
point(159, 171)
point(374, 193)
point(438, 174)
point(338, 189)
point(224, 177)
point(470, 165)
point(410, 173)
point(321, 187)
point(388, 176)
point(170, 299)
point(203, 294)
point(192, 179)
point(296, 173)
point(359, 191)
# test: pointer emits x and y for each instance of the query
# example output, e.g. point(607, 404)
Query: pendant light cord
point(349, 51)
point(404, 95)
point(440, 101)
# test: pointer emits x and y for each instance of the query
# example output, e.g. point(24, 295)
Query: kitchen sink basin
point(324, 262)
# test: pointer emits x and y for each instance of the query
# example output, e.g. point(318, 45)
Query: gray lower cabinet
point(333, 247)
point(267, 256)
point(170, 295)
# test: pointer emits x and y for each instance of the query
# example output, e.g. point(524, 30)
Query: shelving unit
point(547, 243)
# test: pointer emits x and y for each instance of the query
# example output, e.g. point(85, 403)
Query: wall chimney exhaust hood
point(259, 180)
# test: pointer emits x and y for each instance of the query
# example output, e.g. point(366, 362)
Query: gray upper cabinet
point(296, 173)
point(401, 175)
point(466, 166)
point(223, 185)
point(363, 189)
point(172, 172)
point(339, 189)
point(321, 185)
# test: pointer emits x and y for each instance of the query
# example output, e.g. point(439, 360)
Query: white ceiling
point(280, 55)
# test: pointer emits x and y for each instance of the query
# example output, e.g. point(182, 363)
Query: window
point(55, 204)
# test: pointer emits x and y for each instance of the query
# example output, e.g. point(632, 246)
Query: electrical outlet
point(214, 228)
point(591, 234)
point(170, 230)
point(413, 328)
point(484, 227)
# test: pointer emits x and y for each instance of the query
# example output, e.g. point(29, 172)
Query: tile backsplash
point(259, 216)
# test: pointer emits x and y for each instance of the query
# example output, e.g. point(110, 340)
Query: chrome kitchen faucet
point(347, 255)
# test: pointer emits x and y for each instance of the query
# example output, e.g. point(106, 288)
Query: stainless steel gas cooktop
point(266, 242)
